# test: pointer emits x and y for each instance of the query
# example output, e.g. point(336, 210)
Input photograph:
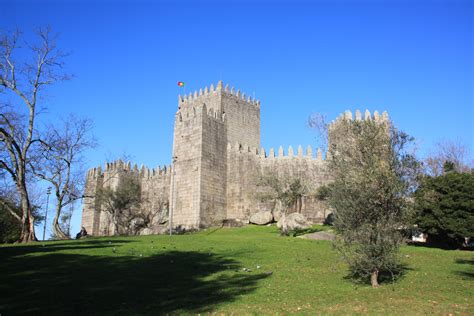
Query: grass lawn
point(203, 272)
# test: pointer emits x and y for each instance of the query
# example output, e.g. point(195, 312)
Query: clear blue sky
point(413, 59)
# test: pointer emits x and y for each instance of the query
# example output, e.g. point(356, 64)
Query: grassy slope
point(202, 272)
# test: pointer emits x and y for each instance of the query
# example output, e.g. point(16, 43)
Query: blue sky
point(413, 59)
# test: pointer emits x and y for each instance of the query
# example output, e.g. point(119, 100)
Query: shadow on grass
point(466, 274)
point(310, 230)
point(55, 246)
point(440, 243)
point(385, 277)
point(169, 282)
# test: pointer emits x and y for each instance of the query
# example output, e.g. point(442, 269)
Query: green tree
point(10, 227)
point(374, 175)
point(122, 202)
point(445, 207)
point(289, 191)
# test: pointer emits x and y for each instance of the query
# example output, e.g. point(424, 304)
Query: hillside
point(241, 271)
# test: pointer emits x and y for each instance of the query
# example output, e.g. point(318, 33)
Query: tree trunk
point(284, 225)
point(57, 228)
point(116, 226)
point(374, 278)
point(27, 220)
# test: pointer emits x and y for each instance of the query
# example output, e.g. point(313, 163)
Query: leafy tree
point(374, 175)
point(121, 202)
point(289, 191)
point(445, 207)
point(10, 227)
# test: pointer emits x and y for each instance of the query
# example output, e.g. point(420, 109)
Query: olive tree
point(374, 175)
point(121, 202)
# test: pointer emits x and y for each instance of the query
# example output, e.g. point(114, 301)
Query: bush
point(10, 227)
point(445, 207)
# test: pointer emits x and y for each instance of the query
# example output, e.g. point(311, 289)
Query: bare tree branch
point(23, 73)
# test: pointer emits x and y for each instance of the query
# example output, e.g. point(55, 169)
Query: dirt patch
point(319, 236)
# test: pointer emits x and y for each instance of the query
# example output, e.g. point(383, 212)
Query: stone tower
point(204, 124)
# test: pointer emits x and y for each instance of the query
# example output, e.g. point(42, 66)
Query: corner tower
point(205, 123)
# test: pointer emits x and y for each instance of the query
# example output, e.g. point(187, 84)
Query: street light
point(46, 213)
point(175, 159)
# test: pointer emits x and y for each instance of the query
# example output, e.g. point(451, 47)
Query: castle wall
point(246, 165)
point(312, 169)
point(242, 119)
point(91, 211)
point(185, 185)
point(213, 170)
point(243, 170)
point(155, 186)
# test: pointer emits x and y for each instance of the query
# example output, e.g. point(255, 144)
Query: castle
point(216, 161)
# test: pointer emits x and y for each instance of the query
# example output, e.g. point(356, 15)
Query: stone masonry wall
point(242, 119)
point(246, 165)
point(213, 170)
point(155, 185)
point(185, 188)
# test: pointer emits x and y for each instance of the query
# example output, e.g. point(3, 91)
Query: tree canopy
point(445, 207)
point(374, 175)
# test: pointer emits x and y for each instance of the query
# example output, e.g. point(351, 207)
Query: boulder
point(137, 222)
point(154, 230)
point(233, 222)
point(277, 211)
point(294, 221)
point(261, 218)
point(161, 229)
point(146, 231)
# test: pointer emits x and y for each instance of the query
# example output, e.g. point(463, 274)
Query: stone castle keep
point(217, 160)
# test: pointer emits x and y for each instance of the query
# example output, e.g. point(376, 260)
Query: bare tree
point(60, 164)
point(289, 191)
point(24, 78)
point(318, 122)
point(455, 152)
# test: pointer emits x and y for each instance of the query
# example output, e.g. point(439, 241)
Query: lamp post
point(175, 159)
point(46, 213)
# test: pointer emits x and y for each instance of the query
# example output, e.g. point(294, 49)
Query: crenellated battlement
point(347, 115)
point(194, 111)
point(119, 166)
point(203, 95)
point(261, 153)
point(231, 91)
